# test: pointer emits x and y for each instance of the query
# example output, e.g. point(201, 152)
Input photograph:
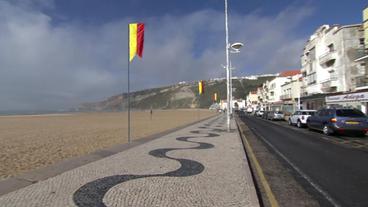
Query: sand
point(30, 142)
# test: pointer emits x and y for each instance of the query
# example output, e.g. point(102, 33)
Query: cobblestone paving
point(201, 165)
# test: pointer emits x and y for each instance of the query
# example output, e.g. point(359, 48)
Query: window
point(349, 113)
point(330, 113)
point(361, 41)
point(331, 47)
point(311, 78)
point(308, 113)
point(312, 53)
point(318, 113)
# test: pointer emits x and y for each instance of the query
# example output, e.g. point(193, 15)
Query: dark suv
point(331, 121)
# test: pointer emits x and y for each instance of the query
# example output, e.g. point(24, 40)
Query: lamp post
point(227, 69)
point(235, 47)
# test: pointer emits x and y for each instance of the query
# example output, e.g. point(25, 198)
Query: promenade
point(200, 165)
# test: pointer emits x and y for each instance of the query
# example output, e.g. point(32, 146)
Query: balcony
point(307, 68)
point(333, 77)
point(361, 54)
point(327, 57)
point(303, 91)
point(330, 84)
point(361, 82)
point(305, 61)
point(285, 96)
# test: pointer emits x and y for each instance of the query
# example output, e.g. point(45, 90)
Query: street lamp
point(227, 69)
point(235, 47)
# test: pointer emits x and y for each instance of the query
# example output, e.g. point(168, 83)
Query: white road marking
point(301, 173)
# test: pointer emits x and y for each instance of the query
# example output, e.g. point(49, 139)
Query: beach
point(32, 141)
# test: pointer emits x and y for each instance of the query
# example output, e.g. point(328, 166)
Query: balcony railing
point(285, 96)
point(330, 55)
point(332, 77)
point(330, 85)
point(361, 52)
point(361, 81)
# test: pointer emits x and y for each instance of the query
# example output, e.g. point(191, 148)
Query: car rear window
point(308, 113)
point(349, 113)
point(278, 112)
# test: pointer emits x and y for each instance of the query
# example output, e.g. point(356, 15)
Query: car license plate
point(352, 122)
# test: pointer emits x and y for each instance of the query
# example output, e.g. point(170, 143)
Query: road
point(338, 172)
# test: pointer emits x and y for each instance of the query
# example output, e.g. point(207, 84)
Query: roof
point(289, 73)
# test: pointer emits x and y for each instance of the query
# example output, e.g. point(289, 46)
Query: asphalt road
point(337, 173)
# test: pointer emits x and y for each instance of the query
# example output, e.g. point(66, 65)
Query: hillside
point(176, 96)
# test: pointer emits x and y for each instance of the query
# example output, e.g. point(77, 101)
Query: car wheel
point(326, 130)
point(299, 124)
point(308, 126)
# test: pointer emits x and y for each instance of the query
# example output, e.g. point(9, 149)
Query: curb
point(256, 170)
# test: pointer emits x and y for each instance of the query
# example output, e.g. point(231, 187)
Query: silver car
point(275, 115)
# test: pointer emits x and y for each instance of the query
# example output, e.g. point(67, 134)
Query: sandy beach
point(30, 142)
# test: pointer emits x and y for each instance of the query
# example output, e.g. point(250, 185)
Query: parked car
point(249, 110)
point(259, 113)
point(340, 120)
point(241, 112)
point(299, 118)
point(275, 115)
point(264, 115)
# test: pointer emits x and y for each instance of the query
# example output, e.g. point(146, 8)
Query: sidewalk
point(201, 165)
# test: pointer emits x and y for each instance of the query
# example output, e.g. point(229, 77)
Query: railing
point(361, 52)
point(361, 81)
point(285, 96)
point(327, 56)
point(329, 79)
point(329, 84)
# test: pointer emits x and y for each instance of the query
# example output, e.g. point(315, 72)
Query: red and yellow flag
point(200, 87)
point(136, 40)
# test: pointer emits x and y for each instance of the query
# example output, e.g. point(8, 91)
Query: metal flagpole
point(128, 84)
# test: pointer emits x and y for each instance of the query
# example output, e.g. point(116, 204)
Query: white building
point(252, 100)
point(328, 64)
point(274, 89)
point(237, 104)
point(291, 93)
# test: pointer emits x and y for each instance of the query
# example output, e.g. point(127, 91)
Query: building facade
point(252, 101)
point(290, 95)
point(328, 63)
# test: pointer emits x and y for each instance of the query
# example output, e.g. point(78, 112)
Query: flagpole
point(128, 85)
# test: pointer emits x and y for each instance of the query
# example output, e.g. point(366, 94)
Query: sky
point(57, 54)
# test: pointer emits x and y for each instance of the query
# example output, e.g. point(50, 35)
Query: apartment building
point(358, 97)
point(252, 100)
point(328, 65)
point(274, 89)
point(290, 94)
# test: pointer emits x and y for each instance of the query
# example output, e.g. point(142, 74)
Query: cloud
point(46, 66)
